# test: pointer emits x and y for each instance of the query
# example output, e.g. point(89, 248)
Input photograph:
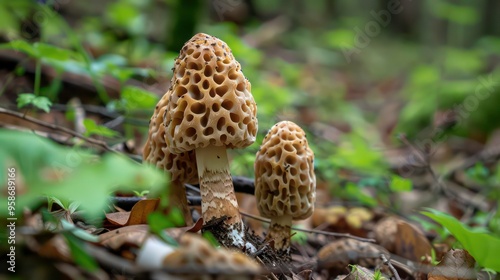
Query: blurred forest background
point(400, 99)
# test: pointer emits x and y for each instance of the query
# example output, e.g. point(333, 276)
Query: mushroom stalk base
point(280, 233)
point(218, 199)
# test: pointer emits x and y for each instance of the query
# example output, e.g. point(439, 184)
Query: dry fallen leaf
point(196, 226)
point(55, 248)
point(385, 232)
point(138, 214)
point(134, 235)
point(411, 242)
point(456, 265)
point(303, 275)
point(338, 254)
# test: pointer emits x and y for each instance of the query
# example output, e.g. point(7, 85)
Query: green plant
point(40, 102)
point(377, 275)
point(75, 238)
point(69, 174)
point(91, 128)
point(44, 53)
point(141, 194)
point(158, 222)
point(482, 245)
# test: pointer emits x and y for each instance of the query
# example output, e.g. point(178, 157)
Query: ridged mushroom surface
point(285, 182)
point(211, 100)
point(182, 166)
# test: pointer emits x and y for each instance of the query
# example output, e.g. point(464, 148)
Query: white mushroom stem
point(280, 232)
point(217, 192)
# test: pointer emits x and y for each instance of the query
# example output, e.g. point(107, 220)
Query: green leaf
point(78, 232)
point(463, 61)
point(70, 174)
point(9, 21)
point(41, 50)
point(20, 45)
point(340, 38)
point(40, 102)
point(460, 14)
point(211, 239)
point(46, 51)
point(355, 192)
point(424, 75)
point(483, 246)
point(355, 152)
point(73, 206)
point(91, 128)
point(299, 237)
point(51, 200)
point(80, 256)
point(138, 98)
point(158, 222)
point(25, 99)
point(124, 14)
point(399, 184)
point(478, 172)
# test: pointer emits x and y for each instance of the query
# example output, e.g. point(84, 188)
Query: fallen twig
point(391, 267)
point(96, 142)
point(336, 234)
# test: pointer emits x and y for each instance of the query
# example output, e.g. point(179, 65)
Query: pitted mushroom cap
point(285, 183)
point(211, 102)
point(182, 167)
point(195, 252)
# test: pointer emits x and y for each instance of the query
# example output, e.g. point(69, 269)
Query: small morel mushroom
point(196, 257)
point(211, 109)
point(285, 183)
point(181, 166)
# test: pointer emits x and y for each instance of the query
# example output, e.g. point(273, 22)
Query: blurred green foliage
point(41, 102)
point(43, 168)
point(482, 245)
point(446, 59)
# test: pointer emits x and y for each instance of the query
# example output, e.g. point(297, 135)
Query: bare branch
point(96, 142)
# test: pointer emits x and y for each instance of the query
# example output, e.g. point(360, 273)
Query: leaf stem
point(38, 75)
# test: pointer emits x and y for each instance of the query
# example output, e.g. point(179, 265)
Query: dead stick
point(388, 263)
point(336, 234)
point(57, 128)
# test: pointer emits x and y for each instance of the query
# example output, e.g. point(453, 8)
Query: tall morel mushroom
point(285, 183)
point(181, 166)
point(212, 109)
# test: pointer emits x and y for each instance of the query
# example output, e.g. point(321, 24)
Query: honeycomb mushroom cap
point(195, 252)
point(182, 166)
point(211, 101)
point(285, 183)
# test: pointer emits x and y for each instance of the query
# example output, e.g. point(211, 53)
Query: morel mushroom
point(285, 183)
point(182, 166)
point(195, 254)
point(211, 109)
